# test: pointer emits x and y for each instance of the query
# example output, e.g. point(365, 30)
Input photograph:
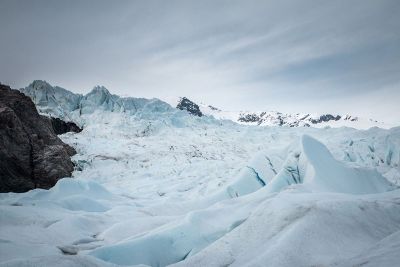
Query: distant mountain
point(275, 118)
point(61, 103)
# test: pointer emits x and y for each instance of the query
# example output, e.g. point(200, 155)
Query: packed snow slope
point(155, 186)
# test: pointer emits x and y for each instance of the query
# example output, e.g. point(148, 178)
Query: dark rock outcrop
point(250, 117)
point(326, 118)
point(290, 120)
point(189, 106)
point(60, 127)
point(351, 118)
point(31, 154)
point(214, 108)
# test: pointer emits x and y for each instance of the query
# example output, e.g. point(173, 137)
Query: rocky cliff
point(31, 154)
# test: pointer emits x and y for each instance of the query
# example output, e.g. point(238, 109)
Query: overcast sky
point(291, 56)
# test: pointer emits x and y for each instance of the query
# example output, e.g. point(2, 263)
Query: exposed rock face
point(291, 120)
point(31, 154)
point(189, 106)
point(325, 118)
point(60, 127)
point(250, 117)
point(351, 118)
point(214, 108)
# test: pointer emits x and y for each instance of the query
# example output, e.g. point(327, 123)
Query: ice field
point(158, 187)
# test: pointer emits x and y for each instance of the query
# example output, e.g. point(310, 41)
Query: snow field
point(173, 189)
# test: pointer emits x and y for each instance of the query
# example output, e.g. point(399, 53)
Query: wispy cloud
point(288, 55)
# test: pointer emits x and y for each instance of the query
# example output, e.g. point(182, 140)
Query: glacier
point(60, 103)
point(155, 186)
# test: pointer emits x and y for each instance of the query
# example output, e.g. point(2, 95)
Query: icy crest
point(61, 103)
point(330, 175)
point(55, 101)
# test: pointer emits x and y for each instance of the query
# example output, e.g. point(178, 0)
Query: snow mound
point(68, 187)
point(179, 239)
point(296, 228)
point(328, 174)
point(72, 194)
point(312, 164)
point(383, 253)
point(230, 208)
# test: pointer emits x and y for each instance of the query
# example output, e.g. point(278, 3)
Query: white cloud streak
point(308, 56)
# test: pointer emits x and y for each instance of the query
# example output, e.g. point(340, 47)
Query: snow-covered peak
point(99, 98)
point(276, 118)
point(40, 85)
point(99, 94)
point(100, 89)
point(61, 103)
point(52, 100)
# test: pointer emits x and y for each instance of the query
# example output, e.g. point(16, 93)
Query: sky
point(291, 56)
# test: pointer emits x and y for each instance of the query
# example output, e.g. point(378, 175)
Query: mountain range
point(61, 103)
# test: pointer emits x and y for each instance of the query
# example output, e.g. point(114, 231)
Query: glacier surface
point(154, 186)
